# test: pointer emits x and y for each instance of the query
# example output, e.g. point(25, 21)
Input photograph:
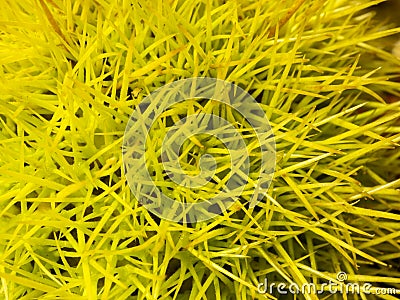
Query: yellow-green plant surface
point(71, 74)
